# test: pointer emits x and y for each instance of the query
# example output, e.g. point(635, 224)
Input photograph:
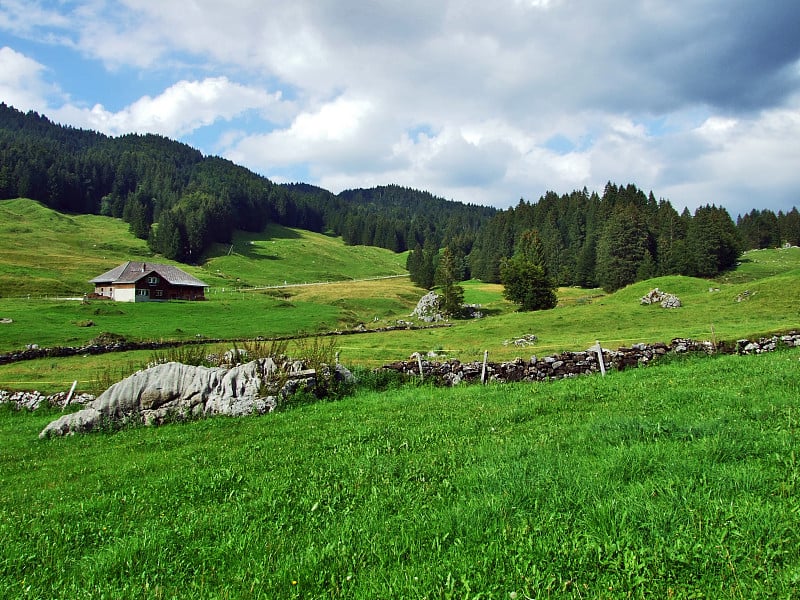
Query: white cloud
point(480, 102)
point(717, 130)
point(337, 134)
point(179, 110)
point(27, 18)
point(21, 81)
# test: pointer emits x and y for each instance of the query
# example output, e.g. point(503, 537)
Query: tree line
point(182, 202)
point(609, 240)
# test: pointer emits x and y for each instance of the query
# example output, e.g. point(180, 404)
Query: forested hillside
point(182, 202)
point(396, 217)
point(625, 236)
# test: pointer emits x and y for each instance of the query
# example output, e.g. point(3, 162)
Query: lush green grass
point(280, 255)
point(47, 253)
point(49, 322)
point(758, 264)
point(674, 481)
point(711, 310)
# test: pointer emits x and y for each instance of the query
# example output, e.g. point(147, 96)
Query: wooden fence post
point(597, 348)
point(483, 372)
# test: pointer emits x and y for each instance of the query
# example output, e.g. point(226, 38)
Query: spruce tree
point(621, 248)
point(525, 283)
point(447, 278)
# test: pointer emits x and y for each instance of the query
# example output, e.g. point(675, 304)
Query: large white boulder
point(175, 391)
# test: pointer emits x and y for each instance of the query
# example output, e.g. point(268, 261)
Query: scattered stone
point(526, 340)
point(472, 311)
point(671, 301)
point(234, 356)
point(6, 321)
point(656, 296)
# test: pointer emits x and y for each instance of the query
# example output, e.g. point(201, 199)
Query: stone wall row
point(453, 372)
point(573, 364)
point(33, 400)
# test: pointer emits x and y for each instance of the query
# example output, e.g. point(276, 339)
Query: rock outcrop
point(177, 391)
point(429, 308)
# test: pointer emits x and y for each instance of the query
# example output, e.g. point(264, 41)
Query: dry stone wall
point(573, 364)
point(35, 399)
point(453, 372)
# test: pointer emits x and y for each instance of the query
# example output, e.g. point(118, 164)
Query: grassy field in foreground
point(679, 480)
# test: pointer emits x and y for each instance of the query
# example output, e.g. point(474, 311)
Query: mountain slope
point(183, 202)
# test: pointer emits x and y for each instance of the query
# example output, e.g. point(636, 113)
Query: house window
point(142, 292)
point(159, 293)
point(152, 280)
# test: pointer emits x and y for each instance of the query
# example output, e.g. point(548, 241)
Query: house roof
point(132, 271)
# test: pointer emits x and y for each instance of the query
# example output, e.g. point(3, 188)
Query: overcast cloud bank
point(476, 102)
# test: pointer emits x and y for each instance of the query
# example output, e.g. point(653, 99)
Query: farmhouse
point(142, 282)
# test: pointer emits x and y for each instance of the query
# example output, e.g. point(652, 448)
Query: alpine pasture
point(675, 480)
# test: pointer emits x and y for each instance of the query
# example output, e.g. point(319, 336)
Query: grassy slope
point(43, 252)
point(280, 255)
point(674, 481)
point(678, 480)
point(771, 279)
point(46, 252)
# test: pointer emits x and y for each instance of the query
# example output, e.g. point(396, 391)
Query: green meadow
point(678, 480)
point(675, 480)
point(44, 253)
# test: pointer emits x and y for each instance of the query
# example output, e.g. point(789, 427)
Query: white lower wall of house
point(124, 294)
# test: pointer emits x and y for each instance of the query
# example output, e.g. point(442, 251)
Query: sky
point(474, 101)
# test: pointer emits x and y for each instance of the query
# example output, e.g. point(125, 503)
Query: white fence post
point(597, 348)
point(69, 396)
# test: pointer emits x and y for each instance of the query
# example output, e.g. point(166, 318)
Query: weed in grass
point(257, 349)
point(317, 351)
point(379, 380)
point(105, 378)
point(192, 354)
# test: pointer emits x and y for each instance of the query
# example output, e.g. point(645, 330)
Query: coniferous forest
point(181, 202)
